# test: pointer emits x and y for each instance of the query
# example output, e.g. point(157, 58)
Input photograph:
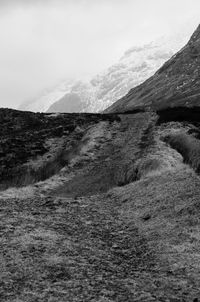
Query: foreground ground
point(119, 222)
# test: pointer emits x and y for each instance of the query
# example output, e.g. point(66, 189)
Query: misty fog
point(44, 42)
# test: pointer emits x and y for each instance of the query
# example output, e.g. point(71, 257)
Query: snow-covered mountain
point(175, 84)
point(134, 67)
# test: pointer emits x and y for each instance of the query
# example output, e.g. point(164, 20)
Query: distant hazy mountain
point(71, 102)
point(42, 102)
point(136, 65)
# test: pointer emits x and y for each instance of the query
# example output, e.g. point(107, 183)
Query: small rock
point(146, 217)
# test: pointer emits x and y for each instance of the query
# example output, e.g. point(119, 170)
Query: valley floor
point(120, 223)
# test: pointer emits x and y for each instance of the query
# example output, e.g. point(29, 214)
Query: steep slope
point(176, 83)
point(136, 65)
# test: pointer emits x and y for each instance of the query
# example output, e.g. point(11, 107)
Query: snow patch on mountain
point(134, 67)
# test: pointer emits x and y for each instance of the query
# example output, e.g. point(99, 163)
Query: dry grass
point(165, 208)
point(103, 248)
point(188, 146)
point(156, 157)
point(136, 242)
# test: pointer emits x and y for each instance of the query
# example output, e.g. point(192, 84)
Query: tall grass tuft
point(188, 146)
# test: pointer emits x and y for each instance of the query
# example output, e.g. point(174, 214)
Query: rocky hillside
point(136, 65)
point(176, 83)
point(100, 207)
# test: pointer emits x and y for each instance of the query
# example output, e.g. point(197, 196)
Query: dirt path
point(100, 248)
point(68, 250)
point(114, 162)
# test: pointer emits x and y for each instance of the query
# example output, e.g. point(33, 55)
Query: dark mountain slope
point(176, 83)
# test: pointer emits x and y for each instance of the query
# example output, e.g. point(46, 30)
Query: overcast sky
point(44, 41)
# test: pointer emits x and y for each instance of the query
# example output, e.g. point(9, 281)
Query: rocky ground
point(117, 221)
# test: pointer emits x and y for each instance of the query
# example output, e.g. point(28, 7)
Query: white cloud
point(43, 41)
